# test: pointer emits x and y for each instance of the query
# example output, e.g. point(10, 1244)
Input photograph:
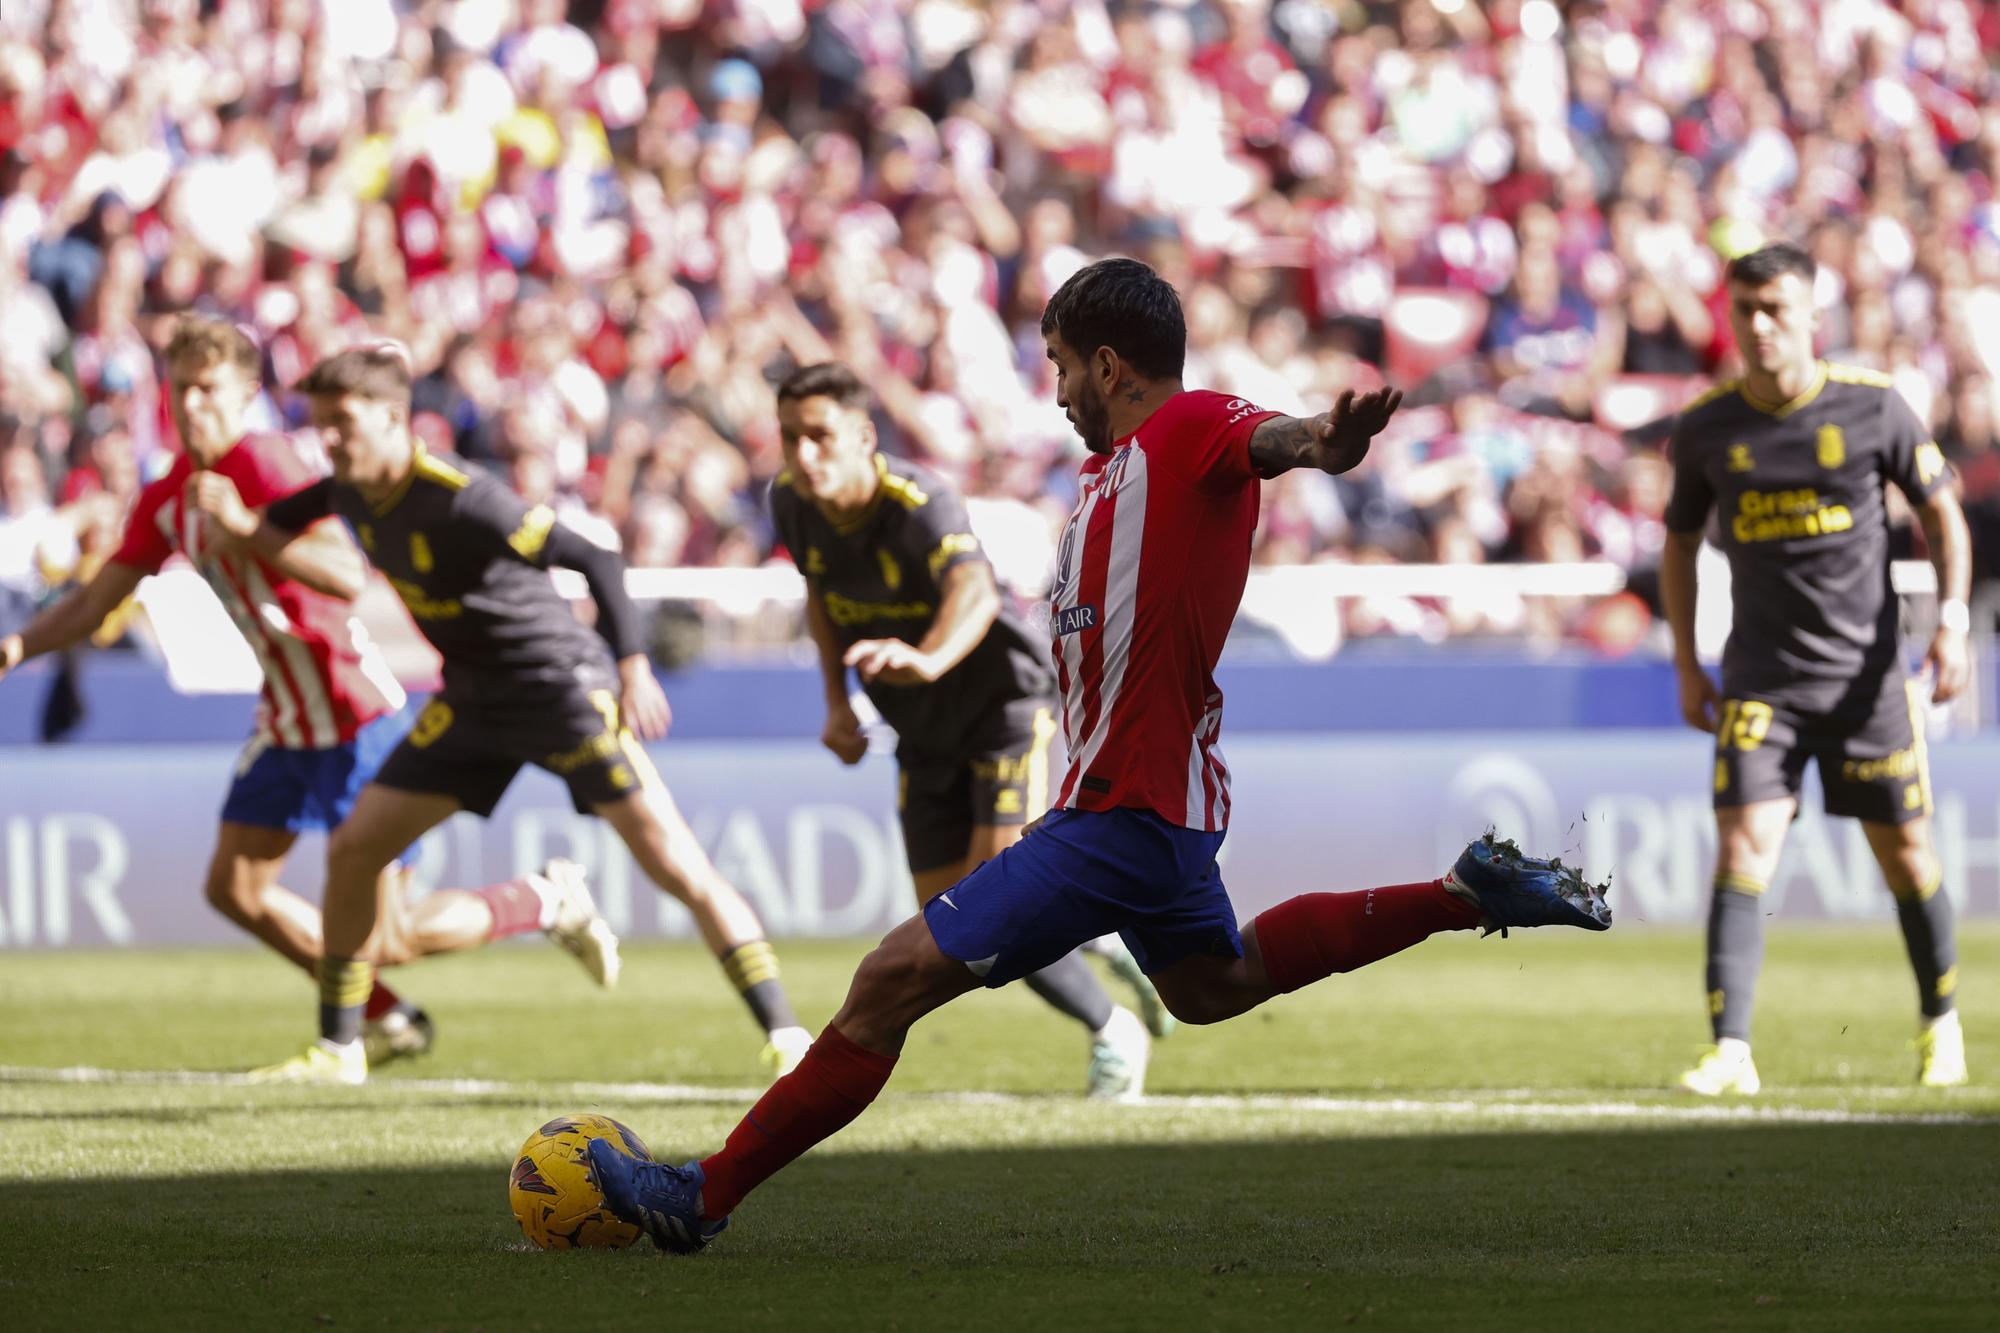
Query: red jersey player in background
point(1148, 576)
point(330, 709)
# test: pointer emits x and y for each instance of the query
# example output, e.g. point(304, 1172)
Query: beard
point(1093, 421)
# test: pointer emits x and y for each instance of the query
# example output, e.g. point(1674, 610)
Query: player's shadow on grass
point(1860, 1225)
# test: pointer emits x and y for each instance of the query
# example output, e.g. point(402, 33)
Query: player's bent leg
point(650, 824)
point(1120, 1046)
point(243, 886)
point(683, 1208)
point(1749, 840)
point(1923, 911)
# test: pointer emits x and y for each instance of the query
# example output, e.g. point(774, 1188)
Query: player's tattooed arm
point(1333, 442)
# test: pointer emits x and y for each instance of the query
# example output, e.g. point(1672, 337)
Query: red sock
point(1317, 934)
point(831, 1086)
point(517, 908)
point(380, 1001)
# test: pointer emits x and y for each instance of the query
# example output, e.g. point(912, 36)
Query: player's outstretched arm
point(970, 604)
point(1332, 442)
point(1950, 545)
point(318, 553)
point(74, 618)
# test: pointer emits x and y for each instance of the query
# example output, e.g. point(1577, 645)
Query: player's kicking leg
point(1075, 878)
point(1910, 864)
point(651, 826)
point(369, 923)
point(1749, 839)
point(1120, 1048)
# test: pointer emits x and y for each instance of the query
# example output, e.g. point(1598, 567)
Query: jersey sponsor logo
point(1740, 459)
point(853, 611)
point(1772, 516)
point(892, 573)
point(422, 605)
point(420, 554)
point(1074, 620)
point(1832, 446)
point(1242, 407)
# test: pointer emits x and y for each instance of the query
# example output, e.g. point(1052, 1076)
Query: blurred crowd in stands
point(605, 228)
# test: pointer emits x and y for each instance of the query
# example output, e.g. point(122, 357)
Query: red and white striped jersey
point(324, 679)
point(1148, 576)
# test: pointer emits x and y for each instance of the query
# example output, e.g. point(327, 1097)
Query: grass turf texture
point(1471, 1134)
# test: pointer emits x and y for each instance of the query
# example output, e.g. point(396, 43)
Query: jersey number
point(432, 723)
point(1745, 724)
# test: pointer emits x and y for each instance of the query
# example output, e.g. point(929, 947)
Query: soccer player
point(524, 682)
point(329, 709)
point(899, 590)
point(1792, 460)
point(1148, 575)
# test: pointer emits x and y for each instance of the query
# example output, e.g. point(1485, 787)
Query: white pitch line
point(1497, 1103)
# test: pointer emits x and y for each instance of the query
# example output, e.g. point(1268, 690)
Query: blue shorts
point(1082, 874)
point(310, 791)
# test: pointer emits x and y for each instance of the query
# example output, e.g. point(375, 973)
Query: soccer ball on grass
point(554, 1193)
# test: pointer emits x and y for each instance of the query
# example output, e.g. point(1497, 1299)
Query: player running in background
point(524, 683)
point(329, 709)
point(900, 590)
point(1792, 459)
point(1148, 576)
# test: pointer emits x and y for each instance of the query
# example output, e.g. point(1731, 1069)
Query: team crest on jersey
point(1740, 459)
point(892, 573)
point(420, 554)
point(1112, 479)
point(815, 562)
point(1832, 446)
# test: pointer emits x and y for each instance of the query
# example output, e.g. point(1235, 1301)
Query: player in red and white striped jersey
point(330, 710)
point(1148, 575)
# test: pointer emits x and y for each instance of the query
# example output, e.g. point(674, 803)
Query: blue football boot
point(663, 1200)
point(1513, 889)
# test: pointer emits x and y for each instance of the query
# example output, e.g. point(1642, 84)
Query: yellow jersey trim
point(1722, 390)
point(533, 534)
point(1783, 410)
point(430, 469)
point(1845, 374)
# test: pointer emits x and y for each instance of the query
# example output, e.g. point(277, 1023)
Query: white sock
point(1733, 1048)
point(1127, 1020)
point(341, 1048)
point(1945, 1020)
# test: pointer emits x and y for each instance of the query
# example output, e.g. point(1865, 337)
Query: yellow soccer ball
point(554, 1193)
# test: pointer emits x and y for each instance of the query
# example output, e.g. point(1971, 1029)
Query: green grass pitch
point(1470, 1135)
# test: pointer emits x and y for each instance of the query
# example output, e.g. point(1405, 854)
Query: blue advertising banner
point(108, 845)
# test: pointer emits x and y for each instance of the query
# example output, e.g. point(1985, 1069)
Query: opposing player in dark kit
point(1148, 575)
point(329, 711)
point(900, 590)
point(524, 683)
point(1791, 461)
